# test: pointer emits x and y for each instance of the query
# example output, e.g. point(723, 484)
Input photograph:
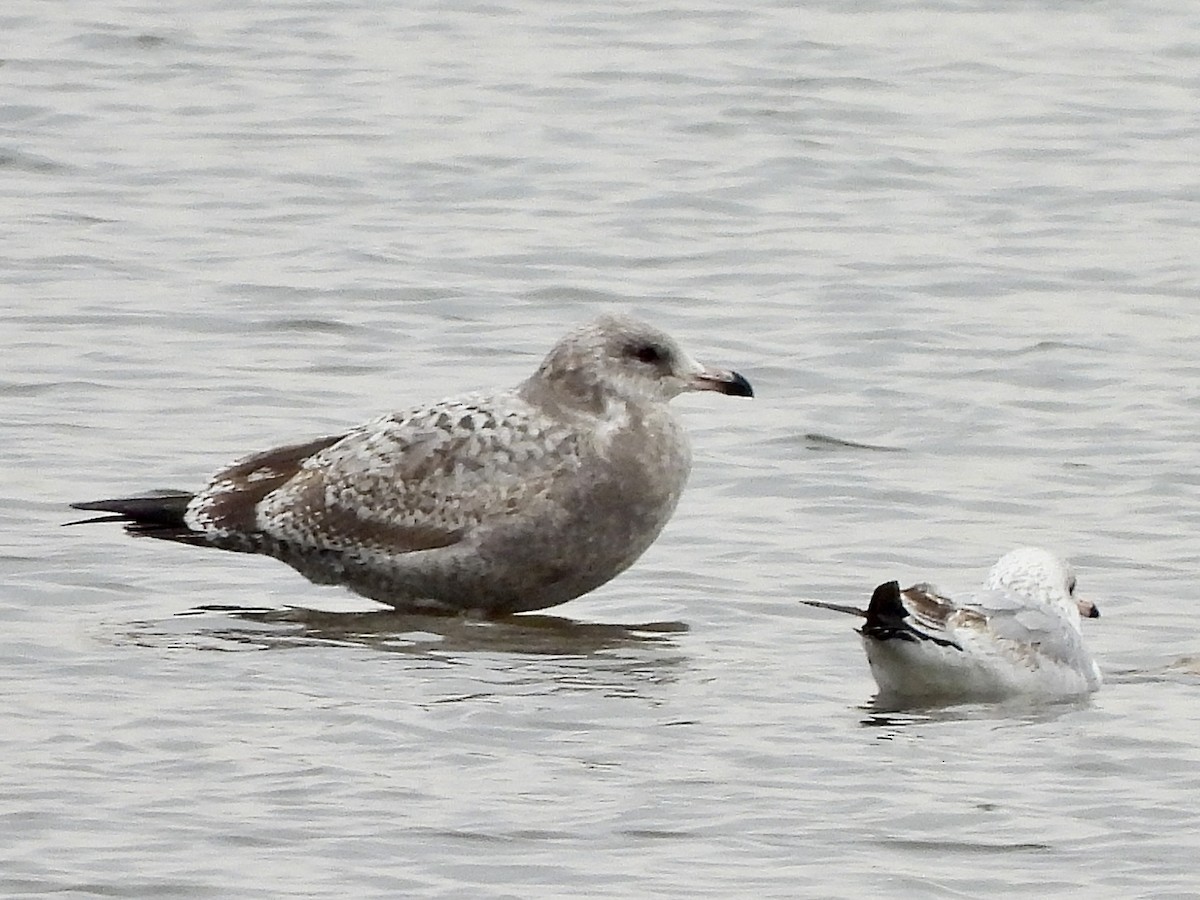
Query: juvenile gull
point(1019, 636)
point(493, 503)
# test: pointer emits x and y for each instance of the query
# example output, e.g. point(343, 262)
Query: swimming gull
point(1019, 636)
point(492, 503)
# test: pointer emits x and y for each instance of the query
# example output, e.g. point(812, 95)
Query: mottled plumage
point(1020, 635)
point(495, 503)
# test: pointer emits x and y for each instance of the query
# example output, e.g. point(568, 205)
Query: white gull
point(492, 503)
point(1019, 636)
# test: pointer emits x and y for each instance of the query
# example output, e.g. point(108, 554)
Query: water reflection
point(1185, 665)
point(522, 653)
point(241, 628)
point(892, 717)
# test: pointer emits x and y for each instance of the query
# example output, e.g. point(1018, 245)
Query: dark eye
point(648, 353)
point(1071, 586)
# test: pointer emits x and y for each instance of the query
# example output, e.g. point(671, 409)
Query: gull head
point(1041, 577)
point(618, 357)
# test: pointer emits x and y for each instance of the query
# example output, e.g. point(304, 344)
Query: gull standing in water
point(490, 503)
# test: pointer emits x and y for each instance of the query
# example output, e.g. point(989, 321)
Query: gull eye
point(648, 353)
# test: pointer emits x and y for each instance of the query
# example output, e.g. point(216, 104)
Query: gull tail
point(157, 514)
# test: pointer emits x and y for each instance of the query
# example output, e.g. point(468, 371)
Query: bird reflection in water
point(893, 718)
point(389, 630)
point(552, 650)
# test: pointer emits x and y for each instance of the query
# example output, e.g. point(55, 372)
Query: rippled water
point(952, 244)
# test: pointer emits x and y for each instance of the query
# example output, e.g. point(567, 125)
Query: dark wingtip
point(157, 508)
point(94, 519)
point(836, 607)
point(885, 613)
point(886, 598)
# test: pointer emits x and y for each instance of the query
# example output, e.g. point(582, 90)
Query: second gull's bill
point(1019, 636)
point(492, 503)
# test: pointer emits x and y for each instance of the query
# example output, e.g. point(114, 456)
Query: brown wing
point(311, 521)
point(424, 479)
point(227, 504)
point(919, 613)
point(228, 507)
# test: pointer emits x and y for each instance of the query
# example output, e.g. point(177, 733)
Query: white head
point(1041, 576)
point(619, 355)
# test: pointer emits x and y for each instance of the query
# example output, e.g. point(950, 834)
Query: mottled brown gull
point(491, 503)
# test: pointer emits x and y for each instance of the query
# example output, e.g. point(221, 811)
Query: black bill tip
point(737, 386)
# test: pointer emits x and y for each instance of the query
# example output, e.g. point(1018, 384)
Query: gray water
point(953, 245)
